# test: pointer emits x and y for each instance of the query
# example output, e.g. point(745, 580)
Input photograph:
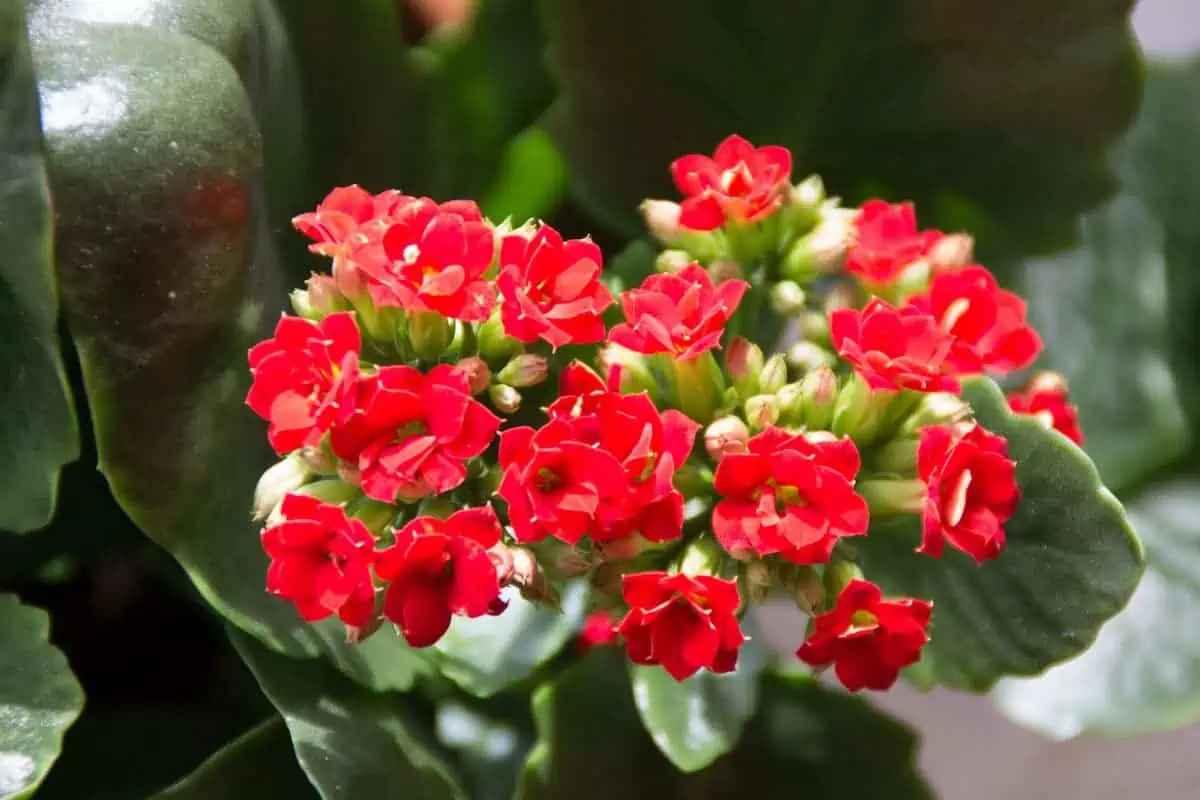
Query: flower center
point(862, 620)
point(547, 480)
point(411, 430)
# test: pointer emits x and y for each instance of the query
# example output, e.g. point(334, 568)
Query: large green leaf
point(260, 763)
point(1007, 105)
point(697, 721)
point(351, 742)
point(1143, 672)
point(154, 165)
point(39, 698)
point(38, 434)
point(1071, 562)
point(804, 740)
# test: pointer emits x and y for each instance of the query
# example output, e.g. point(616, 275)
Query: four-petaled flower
point(866, 638)
point(321, 561)
point(682, 314)
point(304, 378)
point(885, 241)
point(551, 289)
point(683, 622)
point(1045, 397)
point(894, 348)
point(971, 490)
point(789, 495)
point(345, 211)
point(740, 183)
point(439, 568)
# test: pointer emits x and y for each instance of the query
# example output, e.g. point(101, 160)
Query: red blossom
point(788, 495)
point(321, 561)
point(894, 348)
point(1046, 398)
point(412, 432)
point(683, 622)
point(343, 212)
point(866, 638)
point(437, 569)
point(598, 631)
point(551, 289)
point(987, 323)
point(304, 378)
point(971, 490)
point(682, 314)
point(431, 257)
point(740, 183)
point(886, 240)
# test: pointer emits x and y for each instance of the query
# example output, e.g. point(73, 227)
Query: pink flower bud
point(477, 372)
point(724, 436)
point(662, 219)
point(524, 371)
point(744, 361)
point(952, 252)
point(505, 398)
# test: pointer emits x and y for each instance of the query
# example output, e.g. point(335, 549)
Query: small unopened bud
point(809, 194)
point(375, 515)
point(820, 391)
point(317, 460)
point(791, 404)
point(744, 361)
point(787, 298)
point(496, 346)
point(319, 298)
point(524, 371)
point(774, 374)
point(502, 559)
point(724, 436)
point(952, 252)
point(814, 326)
point(430, 334)
point(287, 476)
point(672, 261)
point(525, 567)
point(477, 372)
point(838, 575)
point(810, 593)
point(662, 219)
point(762, 410)
point(607, 579)
point(940, 408)
point(635, 369)
point(823, 250)
point(333, 491)
point(841, 296)
point(725, 270)
point(808, 356)
point(621, 549)
point(892, 496)
point(1047, 382)
point(505, 398)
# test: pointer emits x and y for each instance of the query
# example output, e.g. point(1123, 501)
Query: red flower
point(598, 631)
point(431, 257)
point(552, 289)
point(1046, 398)
point(437, 569)
point(650, 447)
point(866, 638)
point(682, 622)
point(971, 490)
point(987, 323)
point(321, 561)
point(894, 348)
point(788, 495)
point(343, 212)
point(886, 240)
point(304, 378)
point(553, 482)
point(412, 433)
point(740, 183)
point(681, 314)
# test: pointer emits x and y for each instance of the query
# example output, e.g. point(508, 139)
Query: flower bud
point(821, 251)
point(774, 375)
point(808, 356)
point(940, 408)
point(1047, 382)
point(791, 404)
point(744, 361)
point(814, 326)
point(757, 580)
point(898, 458)
point(724, 436)
point(318, 299)
point(840, 296)
point(809, 589)
point(672, 261)
point(787, 298)
point(375, 515)
point(430, 334)
point(819, 388)
point(762, 410)
point(635, 369)
point(725, 270)
point(621, 549)
point(524, 371)
point(854, 407)
point(333, 491)
point(495, 346)
point(662, 219)
point(809, 194)
point(318, 460)
point(892, 496)
point(477, 372)
point(505, 398)
point(502, 559)
point(607, 579)
point(838, 575)
point(287, 476)
point(952, 252)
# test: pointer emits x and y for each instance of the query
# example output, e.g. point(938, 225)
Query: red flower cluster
point(893, 349)
point(1045, 397)
point(886, 240)
point(740, 183)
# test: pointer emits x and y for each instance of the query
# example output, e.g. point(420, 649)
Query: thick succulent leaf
point(351, 742)
point(829, 743)
point(260, 763)
point(1143, 673)
point(999, 108)
point(1071, 562)
point(154, 164)
point(38, 433)
point(39, 698)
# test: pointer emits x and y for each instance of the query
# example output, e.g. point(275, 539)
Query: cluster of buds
point(439, 446)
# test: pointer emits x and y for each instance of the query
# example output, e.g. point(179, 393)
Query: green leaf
point(166, 281)
point(488, 654)
point(491, 743)
point(1143, 673)
point(701, 719)
point(38, 434)
point(1071, 562)
point(1003, 110)
point(530, 182)
point(39, 698)
point(804, 738)
point(351, 742)
point(260, 763)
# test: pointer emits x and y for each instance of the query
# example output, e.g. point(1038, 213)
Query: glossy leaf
point(154, 166)
point(491, 743)
point(1070, 563)
point(487, 654)
point(701, 719)
point(1143, 673)
point(260, 763)
point(38, 434)
point(1003, 109)
point(39, 698)
point(804, 738)
point(351, 742)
